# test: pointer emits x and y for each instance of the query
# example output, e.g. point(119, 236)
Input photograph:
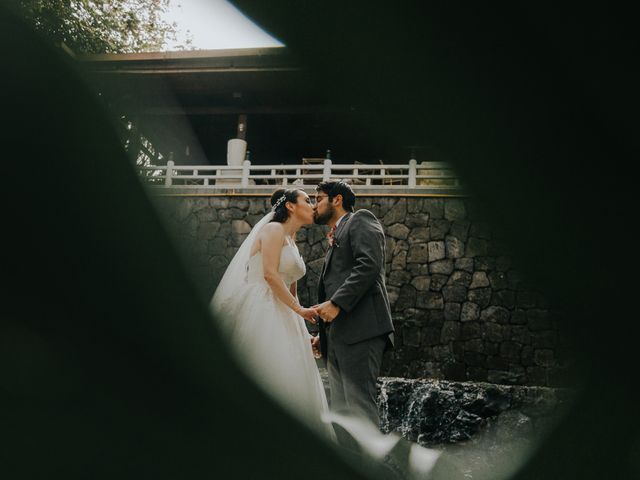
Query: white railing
point(424, 175)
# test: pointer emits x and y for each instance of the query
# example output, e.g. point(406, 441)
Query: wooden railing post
point(245, 173)
point(169, 173)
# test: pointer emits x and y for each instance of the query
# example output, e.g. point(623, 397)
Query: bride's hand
point(308, 314)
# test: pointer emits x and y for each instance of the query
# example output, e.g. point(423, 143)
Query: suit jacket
point(353, 277)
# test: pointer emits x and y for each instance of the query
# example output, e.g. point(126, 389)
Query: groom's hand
point(327, 311)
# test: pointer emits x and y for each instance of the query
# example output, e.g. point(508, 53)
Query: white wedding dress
point(272, 341)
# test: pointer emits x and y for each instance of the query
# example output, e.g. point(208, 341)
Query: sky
point(215, 24)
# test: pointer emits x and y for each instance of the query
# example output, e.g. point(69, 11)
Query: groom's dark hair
point(338, 187)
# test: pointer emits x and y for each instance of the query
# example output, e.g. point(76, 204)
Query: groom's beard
point(322, 219)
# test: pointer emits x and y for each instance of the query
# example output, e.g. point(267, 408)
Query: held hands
point(309, 314)
point(327, 311)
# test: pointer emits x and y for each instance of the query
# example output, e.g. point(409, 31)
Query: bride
point(257, 302)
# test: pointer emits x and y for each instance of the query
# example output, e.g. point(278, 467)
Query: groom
point(356, 325)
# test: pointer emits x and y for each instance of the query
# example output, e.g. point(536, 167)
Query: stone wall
point(461, 310)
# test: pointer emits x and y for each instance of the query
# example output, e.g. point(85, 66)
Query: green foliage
point(99, 26)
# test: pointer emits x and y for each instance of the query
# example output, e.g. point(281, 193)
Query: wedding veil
point(236, 274)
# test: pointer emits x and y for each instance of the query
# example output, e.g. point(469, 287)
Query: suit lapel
point(327, 259)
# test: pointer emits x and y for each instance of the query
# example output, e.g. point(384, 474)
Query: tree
point(101, 26)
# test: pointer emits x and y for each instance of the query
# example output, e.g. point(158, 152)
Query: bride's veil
point(236, 274)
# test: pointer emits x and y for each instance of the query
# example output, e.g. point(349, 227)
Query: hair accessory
point(279, 202)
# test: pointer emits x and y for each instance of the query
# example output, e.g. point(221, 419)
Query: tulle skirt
point(273, 344)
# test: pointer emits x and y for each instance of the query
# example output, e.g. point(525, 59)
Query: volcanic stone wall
point(460, 308)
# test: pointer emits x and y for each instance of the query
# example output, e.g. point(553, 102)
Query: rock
point(406, 299)
point(217, 245)
point(504, 298)
point(253, 219)
point(454, 209)
point(219, 202)
point(257, 206)
point(498, 280)
point(434, 207)
point(240, 203)
point(471, 330)
point(399, 278)
point(450, 331)
point(183, 210)
point(208, 230)
point(417, 220)
point(436, 251)
point(401, 246)
point(390, 246)
point(442, 267)
point(240, 227)
point(439, 229)
point(452, 311)
point(415, 205)
point(438, 281)
point(480, 280)
point(430, 336)
point(421, 283)
point(301, 236)
point(484, 263)
point(474, 345)
point(418, 253)
point(476, 247)
point(460, 278)
point(465, 264)
point(396, 214)
point(493, 332)
point(393, 293)
point(316, 265)
point(398, 231)
point(430, 300)
point(419, 235)
point(510, 350)
point(316, 234)
point(460, 229)
point(399, 261)
point(455, 293)
point(495, 314)
point(411, 336)
point(454, 247)
point(470, 311)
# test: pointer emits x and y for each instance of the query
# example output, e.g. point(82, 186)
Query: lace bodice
point(291, 266)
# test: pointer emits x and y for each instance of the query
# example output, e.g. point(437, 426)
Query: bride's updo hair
point(278, 203)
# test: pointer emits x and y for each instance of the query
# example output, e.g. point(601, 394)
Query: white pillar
point(245, 173)
point(169, 173)
point(412, 172)
point(326, 174)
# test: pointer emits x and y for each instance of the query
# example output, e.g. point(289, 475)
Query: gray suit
point(353, 277)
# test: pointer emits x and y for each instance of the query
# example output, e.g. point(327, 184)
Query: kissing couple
point(258, 306)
